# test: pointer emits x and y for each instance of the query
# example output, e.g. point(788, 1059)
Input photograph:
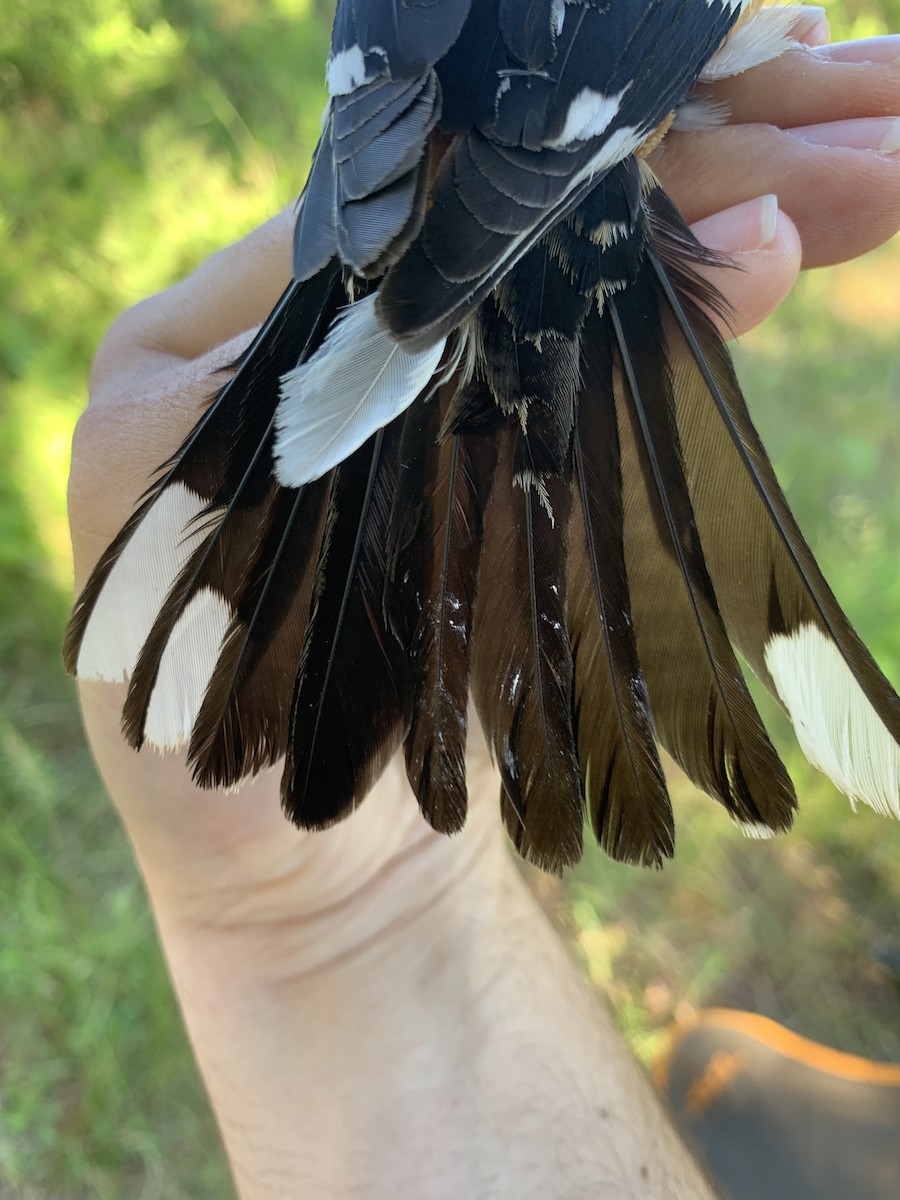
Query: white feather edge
point(185, 670)
point(357, 381)
point(838, 730)
point(138, 584)
point(699, 113)
point(760, 38)
point(755, 830)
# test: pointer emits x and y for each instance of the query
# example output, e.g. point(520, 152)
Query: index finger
point(802, 84)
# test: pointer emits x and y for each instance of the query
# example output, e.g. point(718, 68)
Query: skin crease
point(378, 1011)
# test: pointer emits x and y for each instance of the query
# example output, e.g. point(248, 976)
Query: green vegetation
point(135, 137)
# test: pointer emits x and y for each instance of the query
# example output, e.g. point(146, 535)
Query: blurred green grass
point(136, 137)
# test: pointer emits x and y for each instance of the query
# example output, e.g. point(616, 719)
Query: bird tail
point(201, 601)
point(625, 569)
point(579, 530)
point(776, 605)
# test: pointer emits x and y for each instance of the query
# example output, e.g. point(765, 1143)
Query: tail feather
point(522, 665)
point(351, 704)
point(625, 789)
point(434, 556)
point(703, 709)
point(171, 674)
point(777, 606)
point(163, 698)
point(161, 603)
point(242, 724)
point(118, 606)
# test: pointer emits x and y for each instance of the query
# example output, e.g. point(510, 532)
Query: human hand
point(344, 929)
point(153, 373)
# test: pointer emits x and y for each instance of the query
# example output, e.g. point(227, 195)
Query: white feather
point(346, 71)
point(357, 381)
point(185, 669)
point(138, 584)
point(699, 113)
point(763, 36)
point(838, 729)
point(755, 830)
point(589, 115)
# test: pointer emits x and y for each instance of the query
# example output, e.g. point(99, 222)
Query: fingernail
point(746, 227)
point(811, 27)
point(819, 35)
point(881, 134)
point(884, 49)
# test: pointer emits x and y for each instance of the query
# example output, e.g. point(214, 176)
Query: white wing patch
point(357, 381)
point(138, 584)
point(346, 71)
point(185, 670)
point(838, 729)
point(590, 114)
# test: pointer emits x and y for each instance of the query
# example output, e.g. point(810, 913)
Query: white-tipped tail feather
point(356, 383)
point(138, 584)
point(755, 830)
point(185, 670)
point(837, 728)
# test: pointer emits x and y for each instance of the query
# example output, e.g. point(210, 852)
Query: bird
point(490, 444)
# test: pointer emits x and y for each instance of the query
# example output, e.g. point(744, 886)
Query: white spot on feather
point(185, 669)
point(838, 729)
point(557, 16)
point(346, 71)
point(357, 381)
point(138, 584)
point(589, 115)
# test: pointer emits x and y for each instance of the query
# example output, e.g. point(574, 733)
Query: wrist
point(459, 1054)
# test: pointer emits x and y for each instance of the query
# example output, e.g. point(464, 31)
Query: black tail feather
point(351, 704)
point(242, 725)
point(625, 788)
point(198, 462)
point(434, 556)
point(522, 665)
